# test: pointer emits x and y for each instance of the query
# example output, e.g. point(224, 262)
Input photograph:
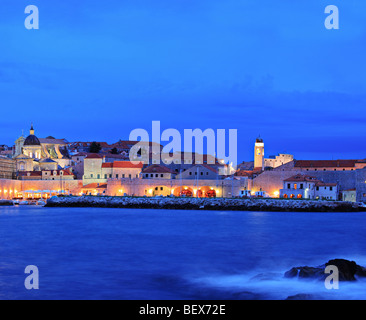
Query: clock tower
point(259, 153)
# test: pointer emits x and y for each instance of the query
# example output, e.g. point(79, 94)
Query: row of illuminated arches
point(183, 191)
point(299, 196)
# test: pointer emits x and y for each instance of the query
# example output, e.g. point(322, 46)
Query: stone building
point(277, 161)
point(200, 171)
point(180, 162)
point(7, 168)
point(46, 175)
point(361, 185)
point(96, 170)
point(93, 169)
point(349, 195)
point(121, 170)
point(157, 171)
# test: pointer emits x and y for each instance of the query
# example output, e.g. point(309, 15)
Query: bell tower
point(31, 131)
point(259, 153)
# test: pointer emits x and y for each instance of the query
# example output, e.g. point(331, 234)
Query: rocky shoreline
point(347, 271)
point(261, 204)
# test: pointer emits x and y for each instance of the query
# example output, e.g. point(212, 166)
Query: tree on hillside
point(114, 151)
point(95, 147)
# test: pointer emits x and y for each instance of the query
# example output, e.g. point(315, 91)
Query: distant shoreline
point(235, 204)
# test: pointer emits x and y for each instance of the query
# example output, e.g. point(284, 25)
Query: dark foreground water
point(85, 253)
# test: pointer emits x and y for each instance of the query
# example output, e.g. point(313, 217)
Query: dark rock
point(306, 273)
point(310, 272)
point(347, 271)
point(360, 271)
point(292, 273)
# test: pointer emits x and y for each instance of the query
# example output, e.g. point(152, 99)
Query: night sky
point(95, 70)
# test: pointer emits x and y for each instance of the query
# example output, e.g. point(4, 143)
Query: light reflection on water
point(94, 253)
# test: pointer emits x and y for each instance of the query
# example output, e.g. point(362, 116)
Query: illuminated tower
point(259, 153)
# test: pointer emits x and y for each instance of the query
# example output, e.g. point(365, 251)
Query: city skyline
point(249, 147)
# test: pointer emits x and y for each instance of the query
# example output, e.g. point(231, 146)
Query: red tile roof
point(122, 164)
point(202, 158)
point(94, 156)
point(301, 178)
point(325, 163)
point(30, 173)
point(156, 168)
point(324, 184)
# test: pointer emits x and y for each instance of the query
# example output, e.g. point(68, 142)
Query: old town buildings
point(55, 164)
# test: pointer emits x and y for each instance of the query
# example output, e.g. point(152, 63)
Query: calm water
point(162, 254)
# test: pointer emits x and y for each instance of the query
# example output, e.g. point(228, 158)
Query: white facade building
point(308, 187)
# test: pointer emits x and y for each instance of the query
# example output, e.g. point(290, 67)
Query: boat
point(41, 203)
point(23, 203)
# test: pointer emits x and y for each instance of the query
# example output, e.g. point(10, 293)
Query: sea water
point(96, 253)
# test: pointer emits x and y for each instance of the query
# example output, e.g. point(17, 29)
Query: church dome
point(31, 140)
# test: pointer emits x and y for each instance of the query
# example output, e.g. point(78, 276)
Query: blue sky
point(95, 70)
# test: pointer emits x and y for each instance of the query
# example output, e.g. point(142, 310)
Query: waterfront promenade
point(234, 204)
